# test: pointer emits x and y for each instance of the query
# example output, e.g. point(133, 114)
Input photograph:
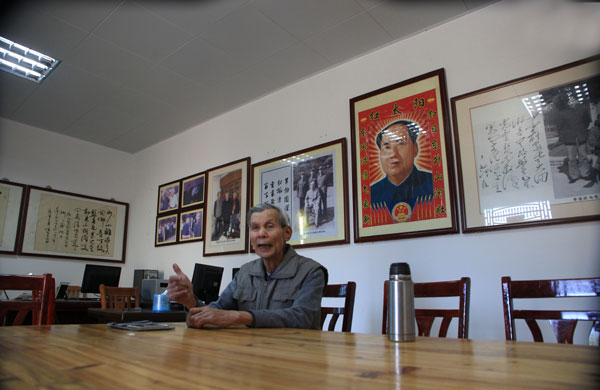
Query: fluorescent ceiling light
point(24, 62)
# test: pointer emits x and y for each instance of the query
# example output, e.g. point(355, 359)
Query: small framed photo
point(192, 193)
point(168, 197)
point(190, 225)
point(226, 206)
point(310, 186)
point(166, 230)
point(528, 150)
point(402, 167)
point(12, 199)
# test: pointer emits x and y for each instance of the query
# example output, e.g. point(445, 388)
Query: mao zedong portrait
point(403, 184)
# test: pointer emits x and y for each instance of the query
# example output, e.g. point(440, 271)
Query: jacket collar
point(286, 269)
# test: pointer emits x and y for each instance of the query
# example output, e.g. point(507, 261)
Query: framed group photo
point(12, 197)
point(402, 167)
point(226, 204)
point(528, 149)
point(65, 225)
point(310, 186)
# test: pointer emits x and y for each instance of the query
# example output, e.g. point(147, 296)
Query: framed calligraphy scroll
point(310, 186)
point(226, 205)
point(528, 149)
point(12, 196)
point(403, 180)
point(64, 225)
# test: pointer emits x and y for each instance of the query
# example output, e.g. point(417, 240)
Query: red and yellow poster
point(401, 163)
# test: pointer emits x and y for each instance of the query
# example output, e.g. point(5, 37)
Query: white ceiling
point(134, 73)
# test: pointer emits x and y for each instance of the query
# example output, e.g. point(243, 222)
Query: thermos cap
point(399, 269)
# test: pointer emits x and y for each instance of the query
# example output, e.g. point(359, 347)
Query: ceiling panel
point(349, 39)
point(308, 17)
point(141, 32)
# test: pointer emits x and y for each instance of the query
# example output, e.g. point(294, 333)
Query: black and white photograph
point(309, 186)
point(572, 124)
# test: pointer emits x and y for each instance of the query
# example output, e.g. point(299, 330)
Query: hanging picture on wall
point(12, 197)
point(64, 225)
point(226, 206)
point(310, 187)
point(192, 193)
point(166, 230)
point(402, 166)
point(168, 197)
point(528, 150)
point(190, 225)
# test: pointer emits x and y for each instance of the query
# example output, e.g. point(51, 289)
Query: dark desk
point(74, 311)
point(119, 315)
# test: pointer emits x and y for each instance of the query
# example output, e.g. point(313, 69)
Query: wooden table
point(120, 315)
point(99, 357)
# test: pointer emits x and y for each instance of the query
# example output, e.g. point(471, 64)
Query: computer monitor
point(207, 282)
point(95, 275)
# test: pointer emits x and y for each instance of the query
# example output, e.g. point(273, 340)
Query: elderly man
point(403, 183)
point(280, 289)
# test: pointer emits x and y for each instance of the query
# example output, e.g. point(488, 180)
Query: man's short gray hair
point(284, 220)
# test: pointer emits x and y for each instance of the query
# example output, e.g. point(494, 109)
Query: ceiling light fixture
point(24, 62)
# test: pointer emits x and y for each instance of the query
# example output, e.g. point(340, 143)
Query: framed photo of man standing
point(403, 179)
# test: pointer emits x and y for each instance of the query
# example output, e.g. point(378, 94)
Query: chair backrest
point(346, 291)
point(119, 297)
point(563, 322)
point(41, 305)
point(73, 292)
point(425, 317)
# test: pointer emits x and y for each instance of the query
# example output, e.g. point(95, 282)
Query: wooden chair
point(563, 322)
point(119, 297)
point(73, 292)
point(425, 317)
point(346, 291)
point(41, 305)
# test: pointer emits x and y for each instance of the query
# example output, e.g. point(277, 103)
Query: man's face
point(267, 237)
point(397, 153)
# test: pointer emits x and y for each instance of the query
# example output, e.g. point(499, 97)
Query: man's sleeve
point(304, 313)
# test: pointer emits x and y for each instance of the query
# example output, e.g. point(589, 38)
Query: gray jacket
point(289, 298)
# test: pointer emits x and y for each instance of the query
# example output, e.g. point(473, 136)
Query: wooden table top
point(99, 357)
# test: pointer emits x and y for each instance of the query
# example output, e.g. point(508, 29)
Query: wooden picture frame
point(224, 235)
point(64, 225)
point(285, 182)
point(402, 167)
point(521, 149)
point(192, 190)
point(168, 197)
point(167, 230)
point(12, 199)
point(191, 225)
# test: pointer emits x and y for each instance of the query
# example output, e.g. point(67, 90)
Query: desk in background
point(120, 315)
point(99, 357)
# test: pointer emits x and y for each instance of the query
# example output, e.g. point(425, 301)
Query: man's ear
point(287, 233)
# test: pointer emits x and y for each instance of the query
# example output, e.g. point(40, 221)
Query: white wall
point(37, 157)
point(495, 44)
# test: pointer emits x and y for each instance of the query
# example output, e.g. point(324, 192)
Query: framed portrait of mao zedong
point(402, 167)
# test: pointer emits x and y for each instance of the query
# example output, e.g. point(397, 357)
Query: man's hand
point(200, 316)
point(180, 288)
